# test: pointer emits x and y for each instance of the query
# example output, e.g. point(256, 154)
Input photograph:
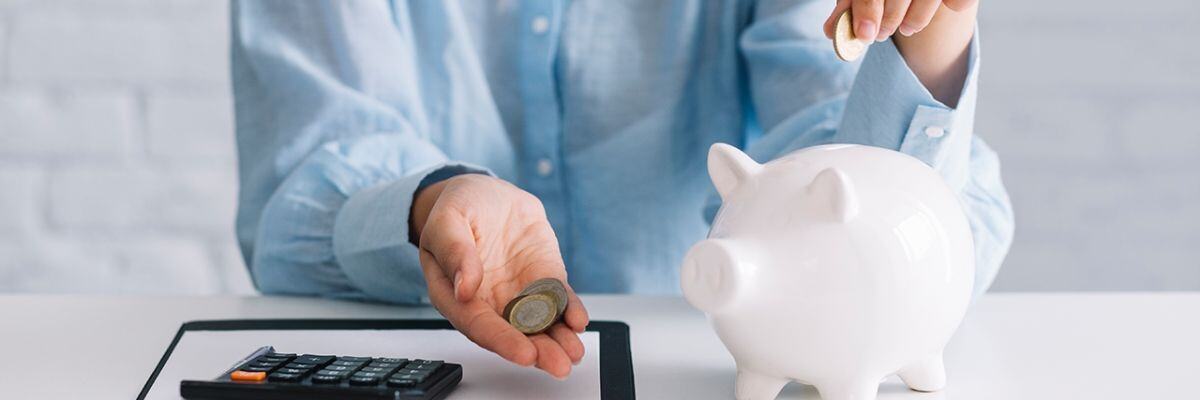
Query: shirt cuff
point(889, 107)
point(370, 235)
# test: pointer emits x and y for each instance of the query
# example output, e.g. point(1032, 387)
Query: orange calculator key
point(247, 376)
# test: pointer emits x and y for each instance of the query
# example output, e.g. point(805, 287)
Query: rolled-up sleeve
point(338, 225)
point(884, 105)
point(889, 107)
point(330, 152)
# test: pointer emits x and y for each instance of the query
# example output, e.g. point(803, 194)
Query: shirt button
point(539, 25)
point(934, 131)
point(544, 167)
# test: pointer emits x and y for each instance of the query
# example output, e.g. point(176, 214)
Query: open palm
point(481, 242)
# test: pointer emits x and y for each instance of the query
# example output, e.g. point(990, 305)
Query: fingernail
point(881, 37)
point(905, 30)
point(457, 283)
point(867, 29)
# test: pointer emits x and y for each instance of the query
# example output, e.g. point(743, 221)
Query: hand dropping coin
point(537, 307)
point(845, 44)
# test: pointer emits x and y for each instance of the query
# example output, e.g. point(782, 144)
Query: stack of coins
point(537, 307)
point(845, 44)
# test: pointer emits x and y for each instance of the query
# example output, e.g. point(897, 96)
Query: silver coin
point(533, 313)
point(548, 285)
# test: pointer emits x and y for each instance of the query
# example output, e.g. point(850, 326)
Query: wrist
point(422, 205)
point(938, 54)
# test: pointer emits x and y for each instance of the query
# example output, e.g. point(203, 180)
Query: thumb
point(452, 244)
point(959, 5)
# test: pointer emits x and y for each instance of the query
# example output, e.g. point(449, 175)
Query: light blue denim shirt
point(603, 109)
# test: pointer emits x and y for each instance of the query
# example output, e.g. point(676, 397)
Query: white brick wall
point(190, 125)
point(117, 157)
point(66, 125)
point(66, 45)
point(116, 148)
point(19, 210)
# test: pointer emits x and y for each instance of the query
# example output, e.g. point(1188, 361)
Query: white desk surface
point(1012, 346)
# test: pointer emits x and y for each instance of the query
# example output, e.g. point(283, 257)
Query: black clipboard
point(616, 361)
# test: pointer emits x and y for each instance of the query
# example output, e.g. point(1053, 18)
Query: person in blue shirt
point(449, 152)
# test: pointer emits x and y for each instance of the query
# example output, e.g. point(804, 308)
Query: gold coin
point(533, 313)
point(847, 47)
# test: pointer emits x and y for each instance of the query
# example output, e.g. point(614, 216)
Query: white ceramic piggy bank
point(834, 266)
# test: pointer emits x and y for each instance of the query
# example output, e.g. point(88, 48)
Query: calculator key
point(368, 374)
point(300, 365)
point(415, 370)
point(296, 371)
point(355, 359)
point(408, 371)
point(347, 363)
point(326, 372)
point(429, 366)
point(376, 370)
point(326, 379)
point(413, 377)
point(364, 380)
point(248, 376)
point(340, 368)
point(284, 377)
point(394, 382)
point(273, 359)
point(264, 364)
point(378, 364)
point(392, 360)
point(314, 359)
point(281, 355)
point(257, 369)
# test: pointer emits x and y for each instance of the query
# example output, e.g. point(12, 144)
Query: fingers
point(449, 239)
point(959, 5)
point(568, 340)
point(880, 19)
point(867, 15)
point(893, 15)
point(551, 357)
point(831, 22)
point(920, 12)
point(575, 316)
point(491, 332)
point(476, 319)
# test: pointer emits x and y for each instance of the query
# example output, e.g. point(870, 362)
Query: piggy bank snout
point(710, 275)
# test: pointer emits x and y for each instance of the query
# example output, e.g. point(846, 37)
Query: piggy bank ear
point(711, 274)
point(729, 167)
point(834, 194)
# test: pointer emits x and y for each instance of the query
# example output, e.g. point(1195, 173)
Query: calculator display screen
point(203, 355)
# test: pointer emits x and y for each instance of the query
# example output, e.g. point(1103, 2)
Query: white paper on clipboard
point(202, 355)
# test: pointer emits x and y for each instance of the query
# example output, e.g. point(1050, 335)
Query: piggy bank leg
point(755, 386)
point(856, 389)
point(927, 375)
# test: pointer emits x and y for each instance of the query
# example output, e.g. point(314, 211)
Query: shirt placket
point(541, 164)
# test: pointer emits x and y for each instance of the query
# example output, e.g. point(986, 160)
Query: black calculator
point(267, 374)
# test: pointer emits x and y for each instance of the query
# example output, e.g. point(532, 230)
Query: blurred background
point(117, 152)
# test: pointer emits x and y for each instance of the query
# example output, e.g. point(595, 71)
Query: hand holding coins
point(481, 241)
point(854, 24)
point(537, 307)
